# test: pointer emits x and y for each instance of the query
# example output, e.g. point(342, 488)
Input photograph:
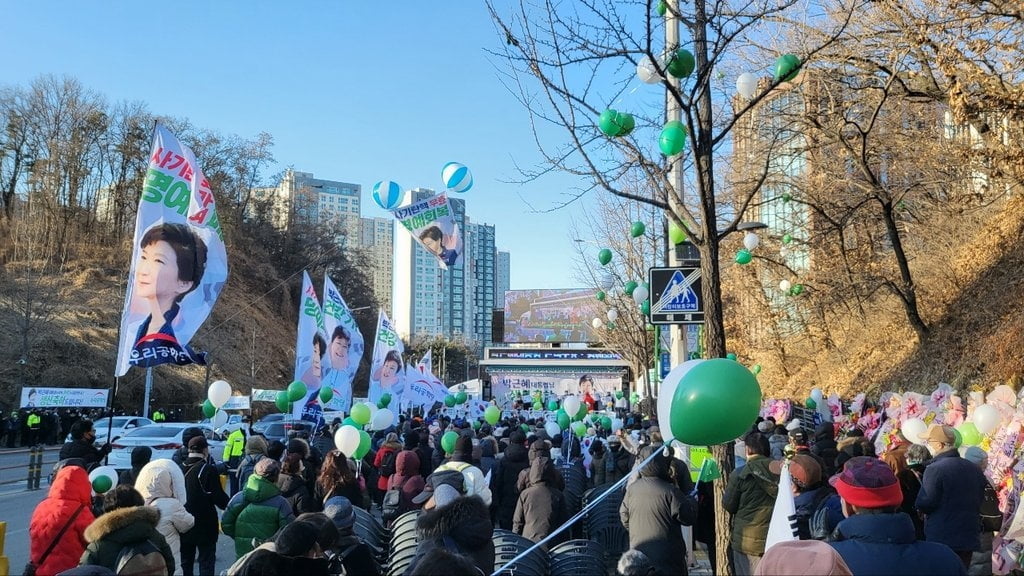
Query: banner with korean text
point(310, 347)
point(432, 223)
point(344, 348)
point(387, 369)
point(35, 397)
point(179, 263)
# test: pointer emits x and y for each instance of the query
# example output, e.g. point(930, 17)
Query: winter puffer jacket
point(258, 511)
point(462, 527)
point(407, 477)
point(295, 490)
point(541, 507)
point(69, 492)
point(750, 498)
point(118, 529)
point(162, 485)
point(503, 483)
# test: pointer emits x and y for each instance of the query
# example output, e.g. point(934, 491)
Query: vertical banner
point(432, 223)
point(387, 371)
point(179, 263)
point(422, 389)
point(310, 347)
point(344, 348)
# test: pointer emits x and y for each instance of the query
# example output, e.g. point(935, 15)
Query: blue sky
point(352, 91)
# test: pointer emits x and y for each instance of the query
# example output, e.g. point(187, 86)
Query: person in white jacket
point(162, 485)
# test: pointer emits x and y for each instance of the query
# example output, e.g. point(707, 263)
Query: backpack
point(391, 505)
point(991, 517)
point(387, 465)
point(141, 559)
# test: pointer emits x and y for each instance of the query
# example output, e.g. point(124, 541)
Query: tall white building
point(378, 242)
point(323, 201)
point(502, 278)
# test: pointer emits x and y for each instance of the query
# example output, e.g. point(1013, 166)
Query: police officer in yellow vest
point(234, 449)
point(33, 422)
point(158, 416)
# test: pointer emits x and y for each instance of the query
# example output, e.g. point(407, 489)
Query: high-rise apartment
point(479, 269)
point(502, 278)
point(378, 241)
point(327, 201)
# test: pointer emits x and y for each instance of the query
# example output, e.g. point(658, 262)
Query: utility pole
point(673, 111)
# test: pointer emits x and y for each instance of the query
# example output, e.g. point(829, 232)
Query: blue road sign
point(676, 295)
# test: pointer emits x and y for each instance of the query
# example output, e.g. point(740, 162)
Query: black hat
point(296, 538)
point(451, 478)
point(198, 444)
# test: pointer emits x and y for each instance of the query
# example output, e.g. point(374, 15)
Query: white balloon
point(912, 430)
point(219, 419)
point(750, 240)
point(346, 439)
point(986, 418)
point(667, 391)
point(607, 281)
point(552, 429)
point(647, 71)
point(613, 315)
point(785, 285)
point(746, 85)
point(571, 405)
point(640, 293)
point(108, 471)
point(817, 394)
point(596, 322)
point(219, 393)
point(373, 408)
point(382, 419)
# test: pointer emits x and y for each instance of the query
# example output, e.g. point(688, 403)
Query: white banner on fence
point(261, 395)
point(63, 398)
point(236, 403)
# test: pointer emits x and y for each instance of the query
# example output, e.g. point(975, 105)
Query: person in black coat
point(424, 452)
point(541, 506)
point(203, 495)
point(459, 524)
point(83, 434)
point(504, 492)
point(825, 447)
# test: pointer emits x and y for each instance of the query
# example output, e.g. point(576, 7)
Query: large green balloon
point(681, 64)
point(296, 390)
point(606, 122)
point(969, 434)
point(673, 138)
point(743, 256)
point(461, 398)
point(716, 401)
point(676, 234)
point(787, 67)
point(348, 421)
point(281, 401)
point(629, 287)
point(326, 394)
point(579, 429)
point(604, 256)
point(562, 419)
point(361, 414)
point(209, 410)
point(581, 413)
point(364, 445)
point(637, 229)
point(449, 401)
point(448, 441)
point(537, 405)
point(606, 422)
point(385, 399)
point(492, 414)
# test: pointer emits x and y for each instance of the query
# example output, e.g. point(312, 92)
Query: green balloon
point(553, 405)
point(606, 422)
point(673, 138)
point(562, 419)
point(476, 424)
point(810, 404)
point(579, 429)
point(958, 438)
point(385, 399)
point(606, 122)
point(538, 406)
point(625, 123)
point(525, 428)
point(582, 412)
point(969, 434)
point(281, 401)
point(637, 229)
point(361, 414)
point(601, 296)
point(619, 394)
point(786, 196)
point(682, 64)
point(492, 415)
point(756, 369)
point(461, 398)
point(676, 234)
point(449, 401)
point(787, 67)
point(348, 421)
point(209, 410)
point(604, 256)
point(629, 287)
point(662, 7)
point(743, 256)
point(787, 238)
point(715, 402)
point(364, 445)
point(101, 484)
point(448, 441)
point(730, 356)
point(296, 390)
point(645, 308)
point(326, 394)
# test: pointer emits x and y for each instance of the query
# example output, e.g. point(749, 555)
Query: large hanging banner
point(432, 223)
point(179, 263)
point(508, 385)
point(310, 347)
point(63, 398)
point(387, 370)
point(344, 348)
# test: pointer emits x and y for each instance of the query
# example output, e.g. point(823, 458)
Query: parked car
point(234, 423)
point(261, 425)
point(117, 425)
point(164, 439)
point(279, 430)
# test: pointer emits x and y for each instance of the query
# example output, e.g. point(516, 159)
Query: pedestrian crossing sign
point(676, 295)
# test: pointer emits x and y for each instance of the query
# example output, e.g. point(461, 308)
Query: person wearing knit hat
point(802, 558)
point(875, 537)
point(255, 450)
point(357, 557)
point(952, 490)
point(258, 511)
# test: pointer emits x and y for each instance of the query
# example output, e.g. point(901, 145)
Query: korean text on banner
point(310, 347)
point(179, 263)
point(432, 223)
point(387, 369)
point(63, 398)
point(344, 348)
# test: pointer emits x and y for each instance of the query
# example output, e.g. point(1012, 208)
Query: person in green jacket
point(126, 521)
point(258, 511)
point(750, 498)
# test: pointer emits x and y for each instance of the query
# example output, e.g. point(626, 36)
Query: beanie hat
point(802, 558)
point(141, 456)
point(765, 427)
point(268, 469)
point(339, 510)
point(255, 445)
point(411, 440)
point(804, 469)
point(296, 538)
point(868, 482)
point(517, 437)
point(973, 454)
point(794, 424)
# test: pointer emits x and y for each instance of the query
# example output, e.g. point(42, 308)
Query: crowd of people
point(914, 510)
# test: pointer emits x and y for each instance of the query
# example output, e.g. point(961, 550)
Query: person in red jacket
point(391, 446)
point(69, 492)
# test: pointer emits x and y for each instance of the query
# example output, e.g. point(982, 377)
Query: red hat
point(868, 483)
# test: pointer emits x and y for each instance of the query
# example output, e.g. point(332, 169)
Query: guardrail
point(15, 473)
